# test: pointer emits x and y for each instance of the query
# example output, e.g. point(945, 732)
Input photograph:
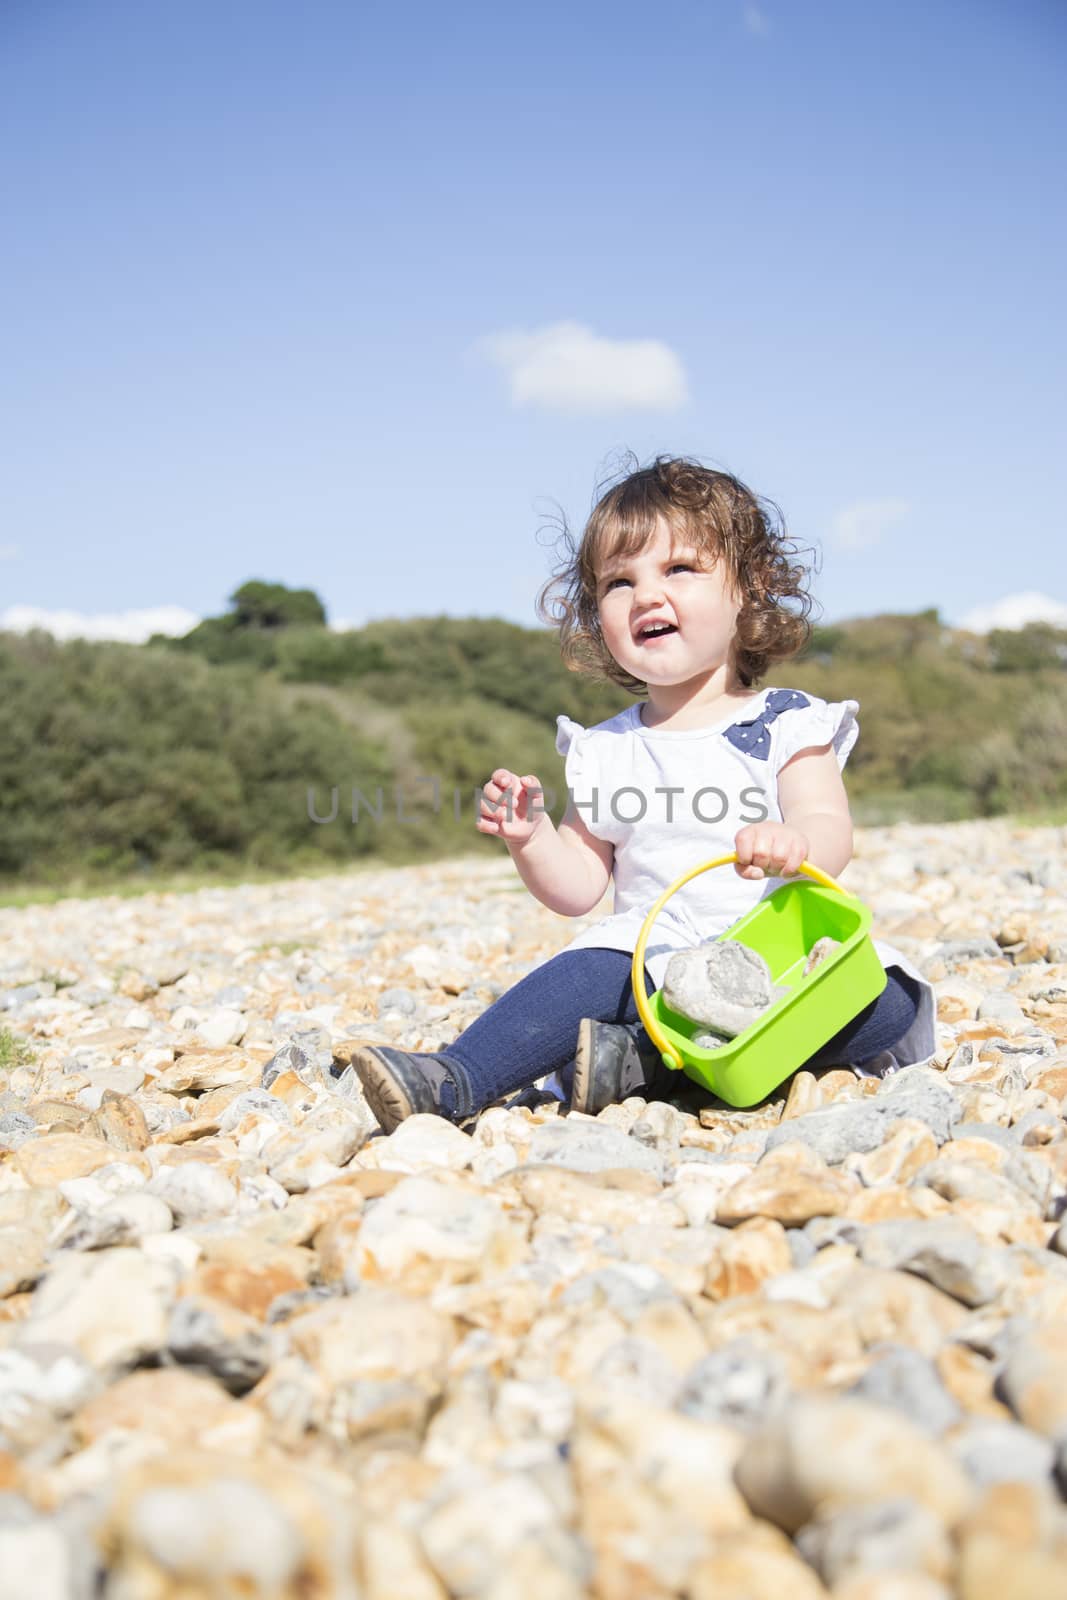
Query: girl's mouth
point(655, 630)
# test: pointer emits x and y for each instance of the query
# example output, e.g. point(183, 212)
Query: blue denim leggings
point(531, 1030)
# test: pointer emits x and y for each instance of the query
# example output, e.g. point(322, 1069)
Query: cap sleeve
point(574, 744)
point(821, 722)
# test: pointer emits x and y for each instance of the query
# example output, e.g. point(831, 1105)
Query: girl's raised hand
point(512, 808)
point(769, 850)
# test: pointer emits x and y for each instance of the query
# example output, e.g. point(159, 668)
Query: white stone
point(427, 1141)
point(220, 1028)
point(112, 1306)
point(422, 1221)
point(223, 1533)
point(195, 1191)
point(39, 1548)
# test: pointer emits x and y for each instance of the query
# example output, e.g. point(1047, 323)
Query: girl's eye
point(681, 566)
point(611, 582)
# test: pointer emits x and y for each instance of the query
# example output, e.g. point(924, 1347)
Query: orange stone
point(969, 1379)
point(1052, 1079)
point(252, 1285)
point(755, 1251)
point(55, 1157)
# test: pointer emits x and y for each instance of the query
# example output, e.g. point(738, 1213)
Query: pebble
point(248, 1344)
point(735, 1385)
point(592, 1147)
point(891, 1536)
point(909, 1382)
point(838, 1131)
point(228, 1343)
point(722, 984)
point(110, 1306)
point(995, 1451)
point(821, 1455)
point(943, 1250)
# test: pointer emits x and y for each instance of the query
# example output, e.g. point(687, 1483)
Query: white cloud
point(755, 21)
point(865, 522)
point(1015, 611)
point(131, 627)
point(8, 552)
point(567, 367)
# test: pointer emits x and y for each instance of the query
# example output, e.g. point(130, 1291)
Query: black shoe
point(611, 1060)
point(398, 1083)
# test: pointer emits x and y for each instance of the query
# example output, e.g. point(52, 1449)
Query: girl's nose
point(648, 589)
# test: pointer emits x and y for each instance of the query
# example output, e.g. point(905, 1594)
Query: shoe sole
point(385, 1096)
point(583, 1065)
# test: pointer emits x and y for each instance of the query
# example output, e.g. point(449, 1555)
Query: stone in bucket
point(722, 984)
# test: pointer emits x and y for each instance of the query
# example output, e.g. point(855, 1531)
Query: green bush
point(117, 762)
point(198, 755)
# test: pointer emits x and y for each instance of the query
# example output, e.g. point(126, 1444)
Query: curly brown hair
point(721, 518)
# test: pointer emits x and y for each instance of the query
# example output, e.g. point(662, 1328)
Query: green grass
point(94, 887)
point(1047, 817)
point(126, 888)
point(14, 1051)
point(287, 947)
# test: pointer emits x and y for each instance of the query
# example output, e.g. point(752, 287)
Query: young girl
point(676, 591)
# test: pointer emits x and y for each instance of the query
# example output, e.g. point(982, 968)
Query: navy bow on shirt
point(754, 737)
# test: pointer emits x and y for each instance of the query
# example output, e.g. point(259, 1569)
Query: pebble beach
point(250, 1347)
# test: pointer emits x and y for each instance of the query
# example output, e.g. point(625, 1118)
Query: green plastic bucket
point(782, 928)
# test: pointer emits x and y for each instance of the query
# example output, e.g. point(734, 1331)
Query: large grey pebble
point(992, 1450)
point(589, 1147)
point(835, 1131)
point(943, 1250)
point(891, 1536)
point(908, 1381)
point(738, 1385)
point(399, 1001)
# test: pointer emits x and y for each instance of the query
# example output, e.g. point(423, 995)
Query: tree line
point(215, 751)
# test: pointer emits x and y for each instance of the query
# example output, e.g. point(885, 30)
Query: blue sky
point(350, 296)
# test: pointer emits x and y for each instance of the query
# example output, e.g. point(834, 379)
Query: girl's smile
point(666, 616)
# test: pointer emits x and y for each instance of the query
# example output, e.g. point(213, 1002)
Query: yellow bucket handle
point(652, 1028)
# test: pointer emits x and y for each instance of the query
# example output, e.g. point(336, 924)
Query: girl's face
point(666, 614)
